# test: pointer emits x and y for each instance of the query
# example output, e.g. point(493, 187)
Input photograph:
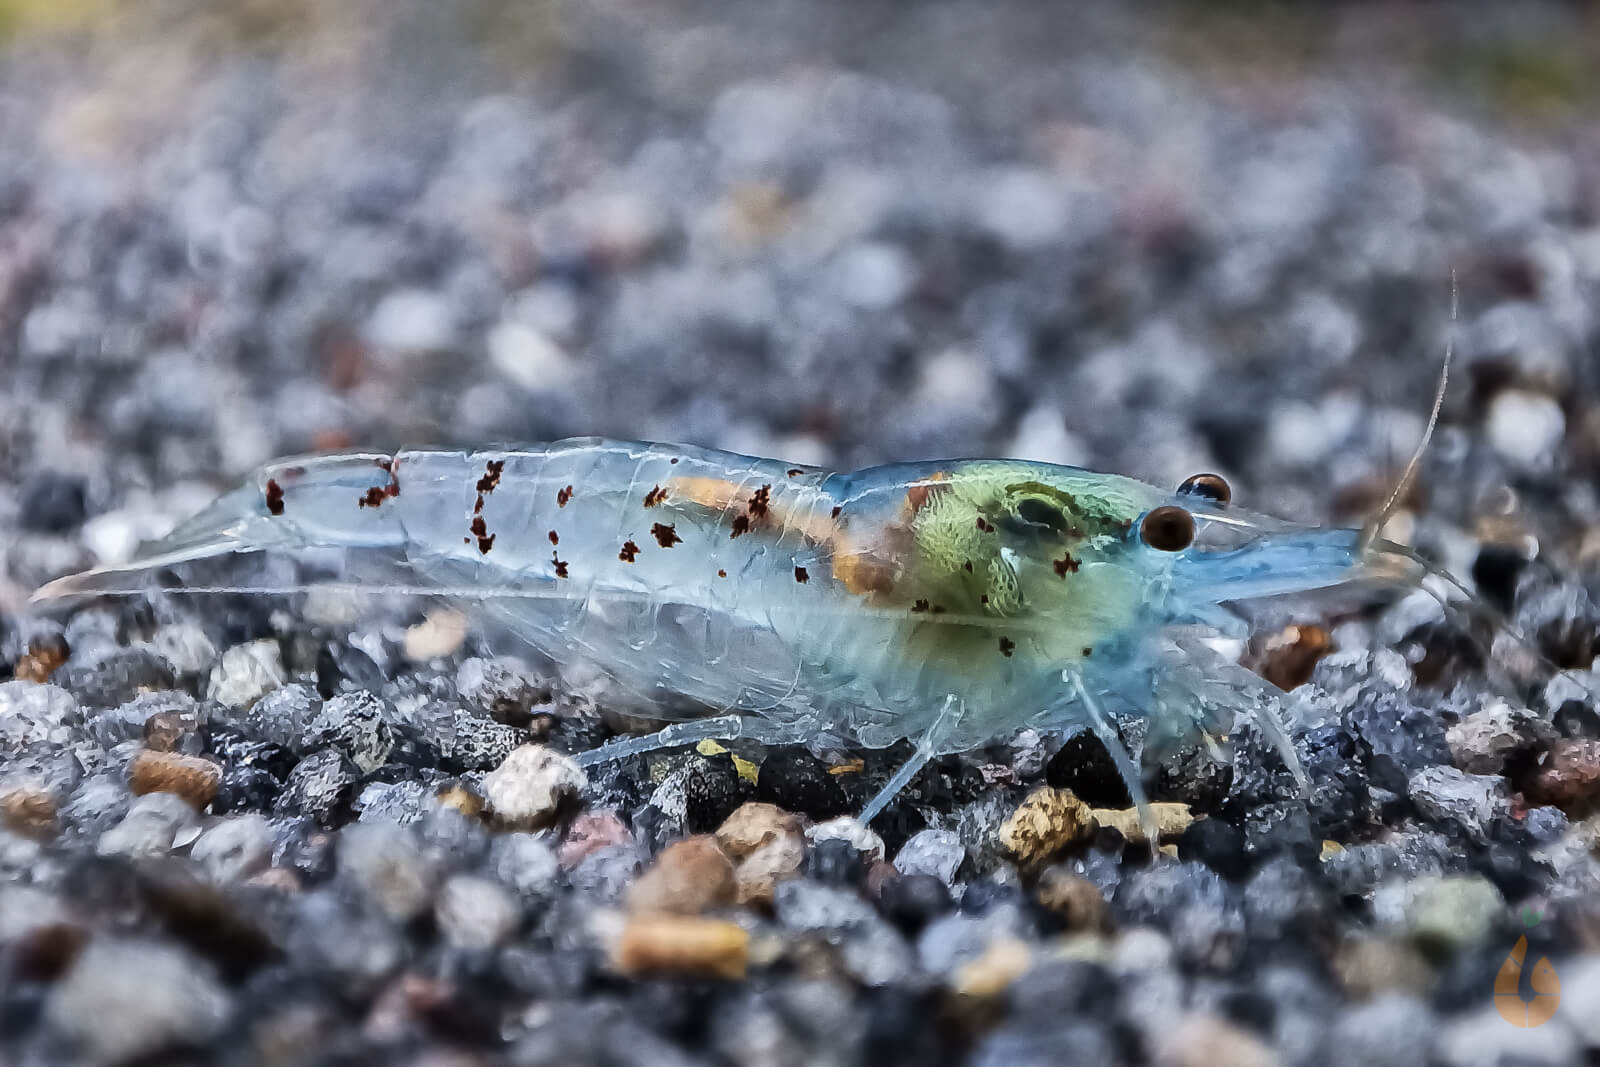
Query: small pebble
point(235, 849)
point(689, 877)
point(589, 833)
point(751, 825)
point(383, 861)
point(524, 863)
point(28, 811)
point(683, 945)
point(475, 913)
point(1568, 777)
point(154, 825)
point(849, 829)
point(1204, 1041)
point(526, 790)
point(1483, 741)
point(912, 901)
point(936, 852)
point(1046, 822)
point(1171, 821)
point(193, 778)
point(125, 1000)
point(246, 672)
point(436, 636)
point(356, 724)
point(1075, 899)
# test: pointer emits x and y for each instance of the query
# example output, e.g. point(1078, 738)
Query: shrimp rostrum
point(942, 603)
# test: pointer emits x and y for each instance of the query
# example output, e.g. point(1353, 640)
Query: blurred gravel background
point(1157, 243)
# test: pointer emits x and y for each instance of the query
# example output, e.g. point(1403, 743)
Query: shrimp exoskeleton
point(943, 603)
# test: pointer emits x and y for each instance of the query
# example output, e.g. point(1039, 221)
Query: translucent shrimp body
point(944, 602)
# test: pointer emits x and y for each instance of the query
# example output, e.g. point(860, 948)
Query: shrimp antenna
point(1373, 526)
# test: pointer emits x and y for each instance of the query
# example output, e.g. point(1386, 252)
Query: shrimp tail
point(324, 501)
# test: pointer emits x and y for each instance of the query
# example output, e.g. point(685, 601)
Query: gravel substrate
point(315, 830)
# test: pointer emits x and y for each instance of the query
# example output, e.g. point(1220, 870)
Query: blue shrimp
point(943, 603)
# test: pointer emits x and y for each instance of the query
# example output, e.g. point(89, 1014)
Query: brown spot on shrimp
point(920, 606)
point(480, 530)
point(666, 535)
point(794, 472)
point(1065, 565)
point(274, 497)
point(837, 508)
point(741, 526)
point(375, 496)
point(984, 525)
point(801, 575)
point(559, 564)
point(491, 475)
point(654, 497)
point(759, 501)
point(629, 553)
point(722, 574)
point(1007, 646)
point(1088, 650)
point(555, 538)
point(563, 496)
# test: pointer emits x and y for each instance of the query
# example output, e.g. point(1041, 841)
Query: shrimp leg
point(1103, 728)
point(927, 745)
point(720, 728)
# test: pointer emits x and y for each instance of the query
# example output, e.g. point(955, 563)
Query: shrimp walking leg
point(927, 745)
point(1103, 728)
point(720, 728)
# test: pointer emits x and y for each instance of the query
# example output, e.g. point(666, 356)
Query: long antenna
point(1371, 528)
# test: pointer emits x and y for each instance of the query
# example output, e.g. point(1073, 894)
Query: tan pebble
point(192, 778)
point(1045, 823)
point(461, 799)
point(689, 877)
point(1568, 776)
point(1076, 899)
point(1171, 820)
point(681, 945)
point(165, 730)
point(751, 824)
point(589, 833)
point(1205, 1040)
point(879, 874)
point(780, 857)
point(436, 636)
point(30, 812)
point(44, 655)
point(989, 975)
point(1368, 966)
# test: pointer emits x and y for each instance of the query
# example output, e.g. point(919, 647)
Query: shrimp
point(942, 603)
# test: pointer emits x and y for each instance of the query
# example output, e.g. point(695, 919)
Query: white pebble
point(526, 789)
point(1525, 427)
point(246, 672)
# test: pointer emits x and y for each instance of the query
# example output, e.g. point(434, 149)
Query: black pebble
point(52, 503)
point(1217, 844)
point(1084, 766)
point(835, 862)
point(914, 900)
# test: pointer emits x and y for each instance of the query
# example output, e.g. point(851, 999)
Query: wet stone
point(1075, 900)
point(1568, 777)
point(504, 688)
point(524, 863)
point(383, 862)
point(34, 714)
point(124, 1000)
point(193, 778)
point(688, 877)
point(1484, 741)
point(130, 720)
point(912, 901)
point(154, 825)
point(52, 502)
point(528, 787)
point(475, 913)
point(1045, 823)
point(1217, 844)
point(357, 725)
point(933, 852)
point(234, 849)
point(117, 677)
point(281, 716)
point(482, 744)
point(245, 673)
point(318, 786)
point(1473, 802)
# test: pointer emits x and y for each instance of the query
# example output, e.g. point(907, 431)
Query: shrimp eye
point(1211, 487)
point(1036, 511)
point(1170, 529)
